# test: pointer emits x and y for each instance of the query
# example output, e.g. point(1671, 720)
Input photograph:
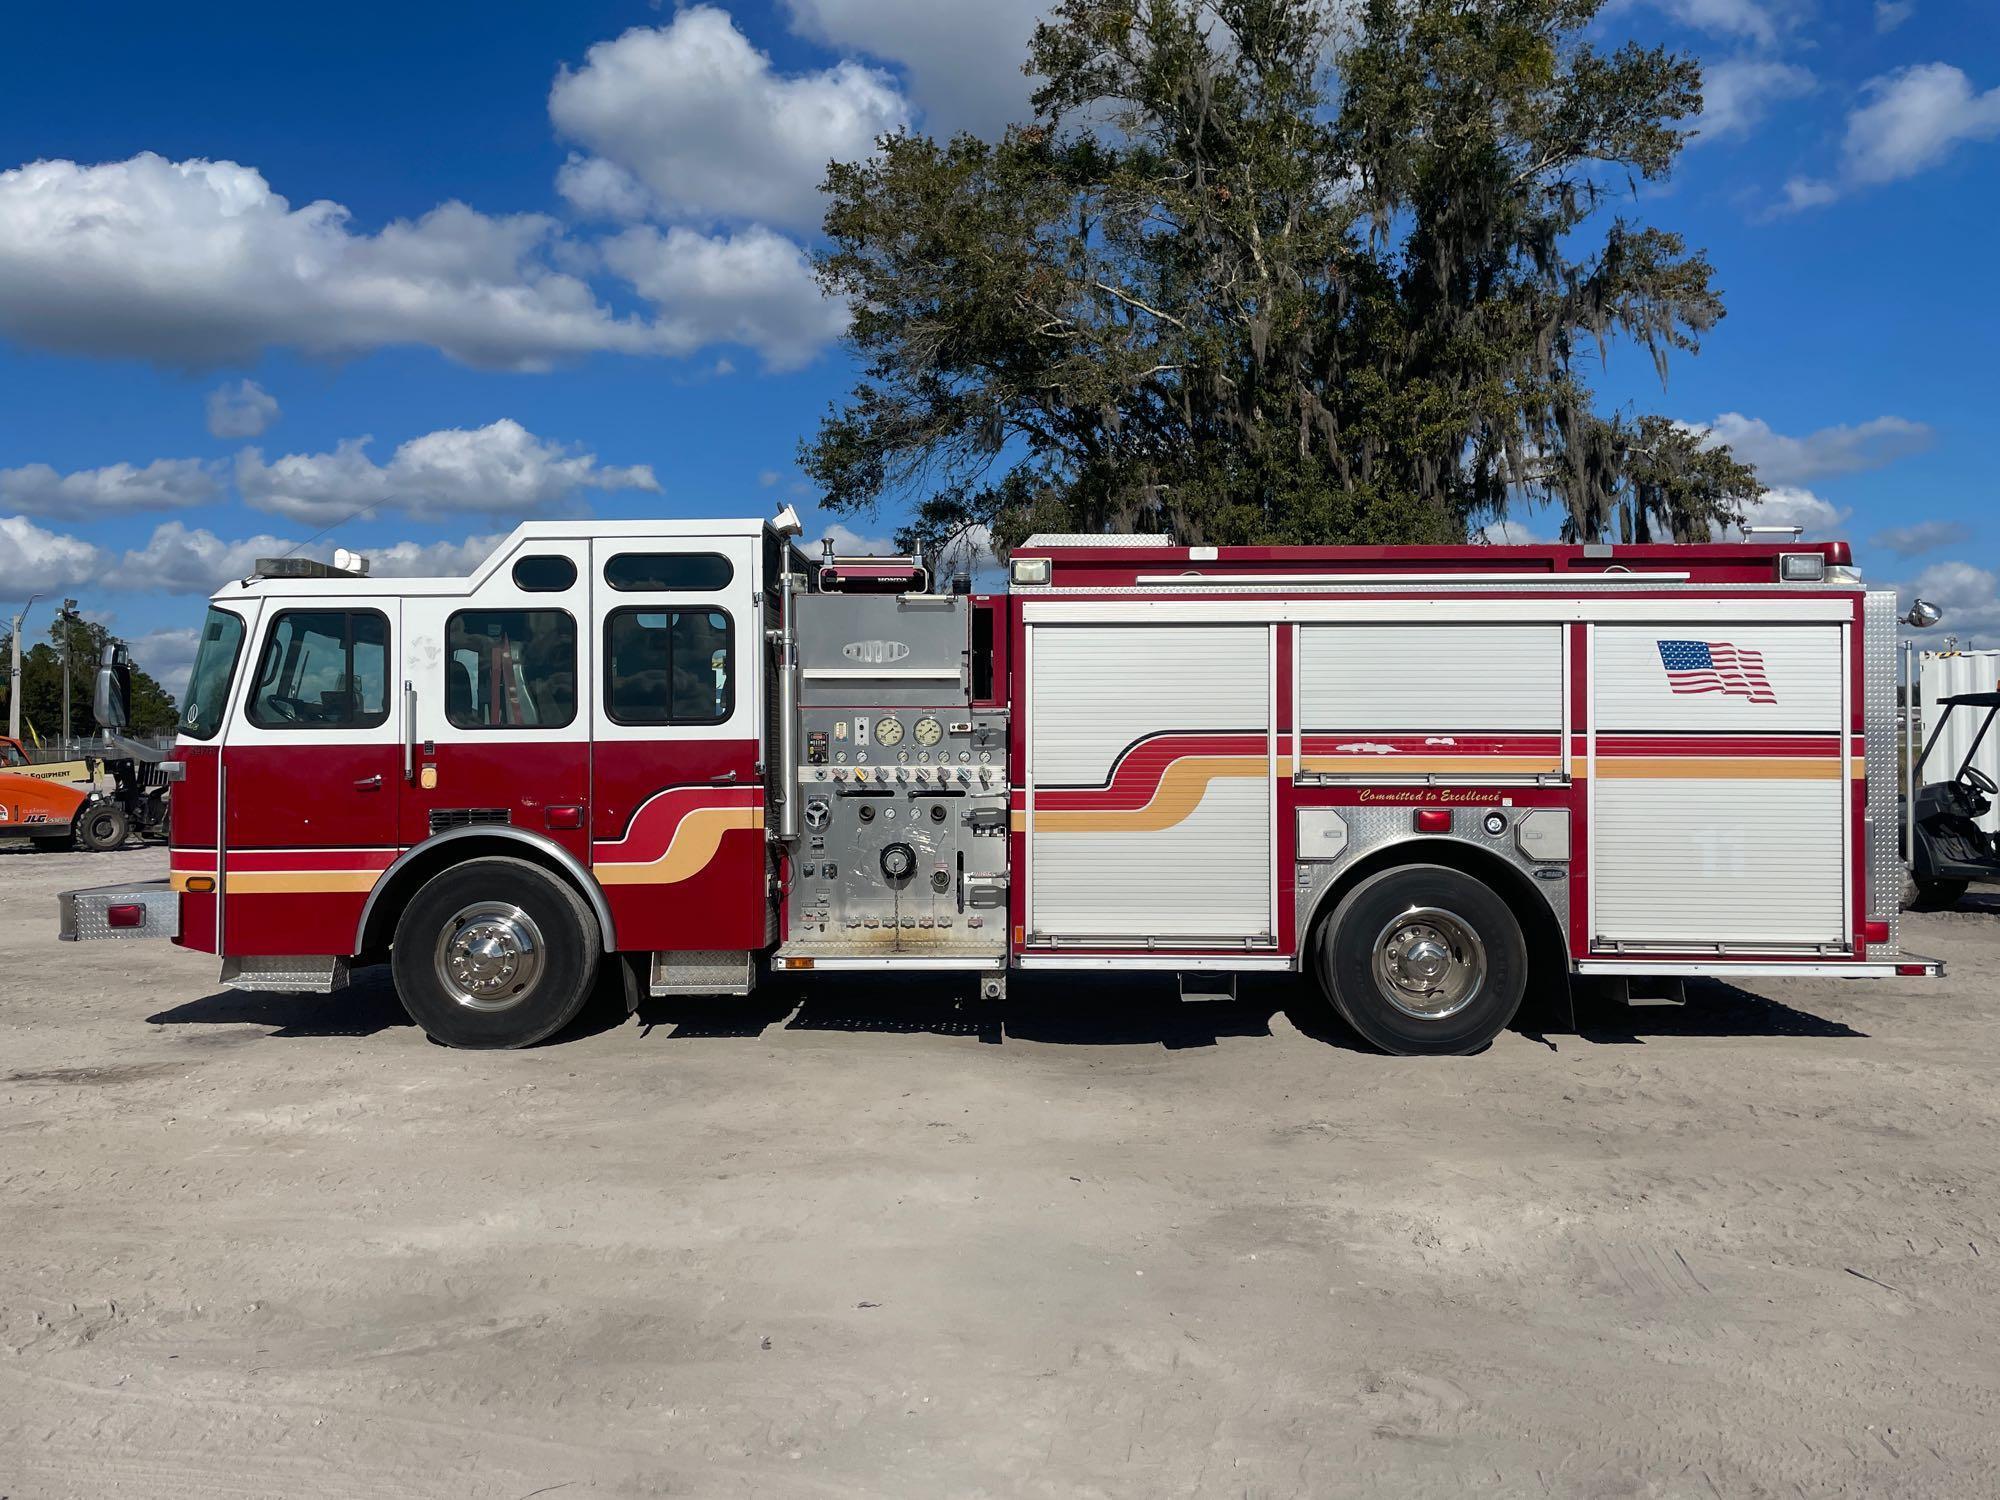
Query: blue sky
point(548, 259)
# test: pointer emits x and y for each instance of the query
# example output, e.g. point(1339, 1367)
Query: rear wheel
point(1939, 895)
point(100, 826)
point(1424, 960)
point(494, 953)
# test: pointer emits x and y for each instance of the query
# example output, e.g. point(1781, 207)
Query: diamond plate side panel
point(701, 972)
point(1878, 719)
point(1369, 829)
point(307, 974)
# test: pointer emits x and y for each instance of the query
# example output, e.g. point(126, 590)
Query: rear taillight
point(1875, 932)
point(125, 914)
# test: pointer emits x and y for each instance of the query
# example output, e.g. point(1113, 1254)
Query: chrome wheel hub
point(489, 956)
point(1429, 963)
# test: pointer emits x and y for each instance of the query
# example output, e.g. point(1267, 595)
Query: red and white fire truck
point(1429, 778)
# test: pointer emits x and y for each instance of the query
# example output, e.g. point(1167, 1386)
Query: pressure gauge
point(888, 730)
point(929, 731)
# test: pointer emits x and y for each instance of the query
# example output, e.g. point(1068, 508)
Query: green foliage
point(152, 707)
point(1269, 271)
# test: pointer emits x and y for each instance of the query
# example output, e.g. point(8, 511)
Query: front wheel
point(100, 826)
point(1424, 960)
point(494, 953)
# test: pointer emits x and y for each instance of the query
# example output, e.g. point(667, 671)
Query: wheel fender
point(420, 861)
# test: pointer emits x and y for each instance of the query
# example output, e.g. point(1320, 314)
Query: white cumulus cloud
point(1739, 93)
point(499, 469)
point(199, 263)
point(1757, 21)
point(167, 655)
point(1785, 460)
point(1923, 536)
point(1818, 520)
point(1914, 119)
point(176, 559)
point(1969, 596)
point(754, 287)
point(690, 121)
point(242, 410)
point(34, 560)
point(964, 62)
point(116, 489)
point(431, 559)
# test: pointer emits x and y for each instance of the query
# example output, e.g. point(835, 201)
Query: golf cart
point(1948, 848)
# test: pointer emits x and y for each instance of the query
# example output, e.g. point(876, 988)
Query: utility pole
point(67, 616)
point(14, 673)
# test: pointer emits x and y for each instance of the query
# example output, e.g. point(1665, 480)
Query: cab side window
point(510, 668)
point(323, 669)
point(669, 666)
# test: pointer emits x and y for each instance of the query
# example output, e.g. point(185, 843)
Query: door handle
point(409, 730)
point(368, 784)
point(725, 779)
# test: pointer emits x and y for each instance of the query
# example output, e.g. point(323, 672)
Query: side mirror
point(1923, 614)
point(111, 697)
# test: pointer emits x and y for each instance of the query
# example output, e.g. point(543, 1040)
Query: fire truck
point(683, 756)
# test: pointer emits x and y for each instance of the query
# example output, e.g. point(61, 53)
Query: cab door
point(311, 770)
point(677, 788)
point(499, 701)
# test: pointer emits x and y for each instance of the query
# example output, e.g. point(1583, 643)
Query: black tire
point(1939, 895)
point(507, 912)
point(1467, 940)
point(100, 826)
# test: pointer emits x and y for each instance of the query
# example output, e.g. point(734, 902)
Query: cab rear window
point(669, 666)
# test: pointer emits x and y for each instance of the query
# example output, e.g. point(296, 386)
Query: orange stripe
point(285, 882)
point(696, 838)
point(1747, 768)
point(1182, 786)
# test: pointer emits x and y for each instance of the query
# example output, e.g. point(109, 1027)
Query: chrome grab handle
point(409, 730)
point(725, 779)
point(368, 784)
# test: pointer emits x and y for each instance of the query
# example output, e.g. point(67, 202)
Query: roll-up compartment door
point(1150, 775)
point(1719, 787)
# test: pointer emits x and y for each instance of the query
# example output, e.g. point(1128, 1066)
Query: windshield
point(10, 756)
point(208, 683)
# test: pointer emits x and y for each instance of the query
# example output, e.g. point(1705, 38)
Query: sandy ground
point(1092, 1244)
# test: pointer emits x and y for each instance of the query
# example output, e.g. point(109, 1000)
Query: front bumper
point(147, 909)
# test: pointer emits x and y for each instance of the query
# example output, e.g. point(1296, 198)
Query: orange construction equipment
point(42, 803)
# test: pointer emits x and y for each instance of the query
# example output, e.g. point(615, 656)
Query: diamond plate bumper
point(148, 909)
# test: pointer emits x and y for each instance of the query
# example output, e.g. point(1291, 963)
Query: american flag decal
point(1716, 667)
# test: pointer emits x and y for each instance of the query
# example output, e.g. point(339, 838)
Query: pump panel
point(902, 786)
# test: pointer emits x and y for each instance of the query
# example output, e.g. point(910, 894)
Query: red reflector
point(1913, 971)
point(1433, 820)
point(565, 816)
point(1875, 932)
point(125, 914)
